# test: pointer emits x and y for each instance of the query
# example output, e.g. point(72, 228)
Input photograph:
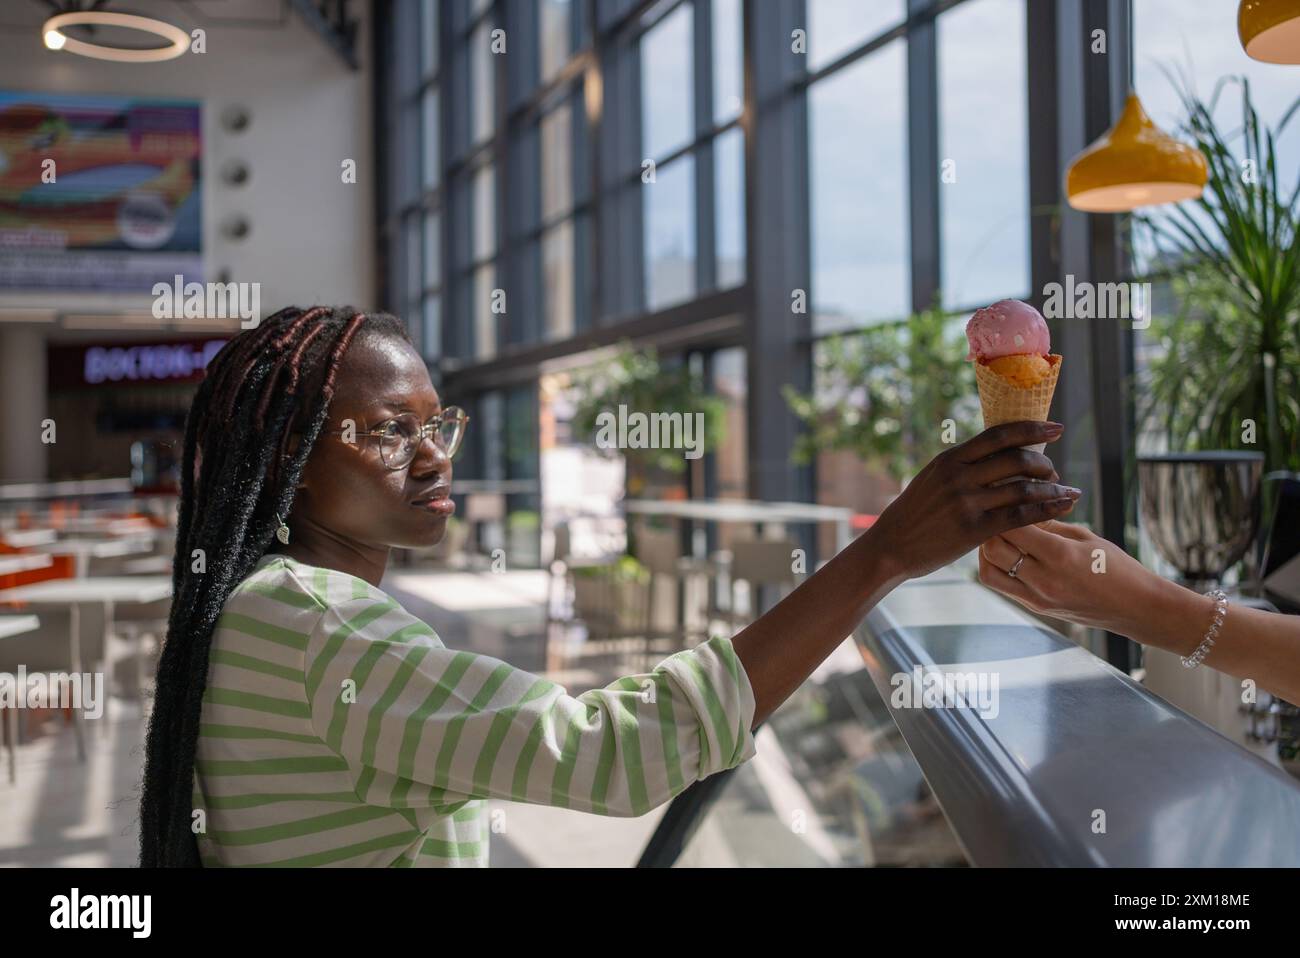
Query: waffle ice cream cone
point(1015, 368)
point(1002, 400)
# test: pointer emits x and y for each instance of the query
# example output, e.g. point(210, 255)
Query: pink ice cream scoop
point(1007, 328)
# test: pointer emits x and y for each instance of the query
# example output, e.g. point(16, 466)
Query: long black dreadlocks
point(264, 385)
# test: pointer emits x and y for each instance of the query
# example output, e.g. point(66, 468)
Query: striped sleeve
point(420, 725)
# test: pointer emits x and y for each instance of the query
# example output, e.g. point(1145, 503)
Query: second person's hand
point(1069, 572)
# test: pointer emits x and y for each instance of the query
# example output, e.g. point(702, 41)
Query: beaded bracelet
point(1220, 610)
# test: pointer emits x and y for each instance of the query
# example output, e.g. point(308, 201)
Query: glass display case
point(1038, 754)
point(833, 784)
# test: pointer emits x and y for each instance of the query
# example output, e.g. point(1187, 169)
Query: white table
point(104, 591)
point(26, 538)
point(107, 525)
point(747, 511)
point(15, 625)
point(23, 562)
point(65, 489)
point(83, 550)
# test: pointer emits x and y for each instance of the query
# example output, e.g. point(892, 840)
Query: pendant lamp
point(1270, 30)
point(1134, 164)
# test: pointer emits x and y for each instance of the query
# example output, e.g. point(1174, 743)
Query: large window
point(984, 152)
point(533, 231)
point(667, 84)
point(556, 34)
point(414, 169)
point(857, 151)
point(837, 27)
point(669, 211)
point(581, 168)
point(911, 135)
point(690, 248)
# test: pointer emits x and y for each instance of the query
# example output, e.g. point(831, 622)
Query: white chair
point(758, 564)
point(486, 509)
point(680, 588)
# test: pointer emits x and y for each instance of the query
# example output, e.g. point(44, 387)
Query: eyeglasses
point(400, 437)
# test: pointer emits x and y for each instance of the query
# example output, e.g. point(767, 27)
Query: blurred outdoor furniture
point(27, 538)
point(11, 625)
point(493, 520)
point(749, 511)
point(105, 525)
point(611, 602)
point(149, 565)
point(72, 594)
point(445, 552)
point(83, 550)
point(607, 600)
point(667, 597)
point(70, 488)
point(755, 564)
point(22, 562)
point(680, 586)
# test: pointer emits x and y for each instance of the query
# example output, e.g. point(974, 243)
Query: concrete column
point(23, 403)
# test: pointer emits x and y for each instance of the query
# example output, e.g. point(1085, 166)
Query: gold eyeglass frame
point(429, 428)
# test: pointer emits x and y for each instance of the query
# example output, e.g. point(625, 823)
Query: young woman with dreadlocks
point(303, 717)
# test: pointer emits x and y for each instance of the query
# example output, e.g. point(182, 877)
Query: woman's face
point(346, 489)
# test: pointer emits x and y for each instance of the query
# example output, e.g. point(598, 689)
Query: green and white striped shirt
point(337, 729)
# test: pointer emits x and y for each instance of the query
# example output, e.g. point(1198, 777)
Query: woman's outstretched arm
point(417, 725)
point(947, 510)
point(1063, 575)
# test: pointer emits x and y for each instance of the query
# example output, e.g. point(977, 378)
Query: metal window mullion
point(447, 225)
point(710, 490)
point(923, 157)
point(1112, 339)
point(501, 175)
point(777, 247)
point(385, 84)
point(631, 225)
point(619, 146)
point(594, 125)
point(705, 188)
point(1091, 388)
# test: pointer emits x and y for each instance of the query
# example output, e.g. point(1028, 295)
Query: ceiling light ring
point(178, 41)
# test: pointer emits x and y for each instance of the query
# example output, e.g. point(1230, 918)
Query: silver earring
point(282, 533)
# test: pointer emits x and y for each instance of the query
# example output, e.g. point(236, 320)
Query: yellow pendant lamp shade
point(1270, 30)
point(1134, 164)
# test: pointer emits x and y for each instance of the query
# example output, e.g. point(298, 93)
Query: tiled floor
point(65, 812)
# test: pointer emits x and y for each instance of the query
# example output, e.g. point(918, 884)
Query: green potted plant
point(885, 392)
point(612, 598)
point(1231, 347)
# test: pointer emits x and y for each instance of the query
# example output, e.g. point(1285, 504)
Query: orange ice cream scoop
point(1022, 369)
